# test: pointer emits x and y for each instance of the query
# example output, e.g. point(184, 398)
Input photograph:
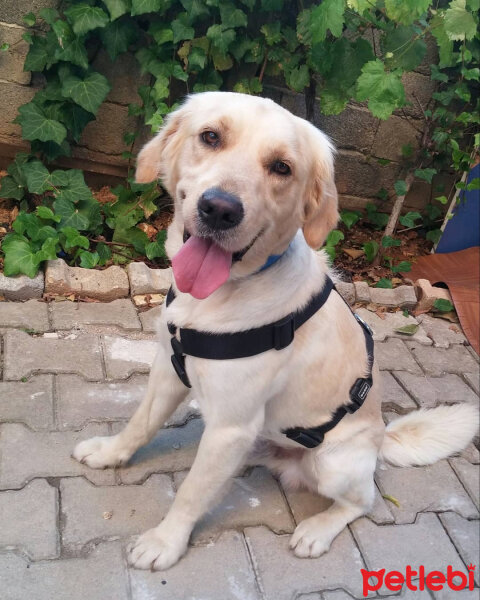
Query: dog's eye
point(210, 138)
point(280, 168)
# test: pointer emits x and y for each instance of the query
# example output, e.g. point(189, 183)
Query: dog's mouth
point(201, 265)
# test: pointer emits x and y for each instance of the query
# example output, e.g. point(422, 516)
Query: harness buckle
point(364, 324)
point(304, 437)
point(358, 394)
point(284, 332)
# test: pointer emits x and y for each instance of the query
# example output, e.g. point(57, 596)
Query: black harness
point(274, 336)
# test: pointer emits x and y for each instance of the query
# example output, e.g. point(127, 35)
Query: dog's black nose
point(219, 209)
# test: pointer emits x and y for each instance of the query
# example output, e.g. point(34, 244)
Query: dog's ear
point(155, 157)
point(321, 204)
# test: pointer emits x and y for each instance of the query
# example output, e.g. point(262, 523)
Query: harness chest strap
point(274, 336)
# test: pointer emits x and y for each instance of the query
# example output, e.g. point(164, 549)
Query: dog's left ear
point(321, 204)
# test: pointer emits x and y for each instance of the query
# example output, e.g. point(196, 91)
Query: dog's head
point(245, 175)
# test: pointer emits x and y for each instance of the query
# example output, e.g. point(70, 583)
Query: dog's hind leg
point(164, 393)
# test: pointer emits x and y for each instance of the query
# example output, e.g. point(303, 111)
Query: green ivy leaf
point(74, 52)
point(334, 237)
point(403, 267)
point(332, 254)
point(407, 52)
point(140, 7)
point(327, 16)
point(443, 305)
point(89, 93)
point(371, 250)
point(459, 23)
point(117, 8)
point(388, 241)
point(409, 219)
point(70, 215)
point(425, 174)
point(76, 190)
point(38, 54)
point(232, 16)
point(182, 30)
point(29, 19)
point(88, 260)
point(160, 33)
point(156, 249)
point(445, 44)
point(406, 11)
point(76, 118)
point(104, 253)
point(360, 5)
point(36, 126)
point(46, 213)
point(298, 78)
point(349, 217)
point(400, 187)
point(384, 90)
point(434, 235)
point(19, 257)
point(118, 36)
point(442, 199)
point(9, 188)
point(73, 239)
point(272, 33)
point(38, 177)
point(383, 282)
point(85, 18)
point(221, 38)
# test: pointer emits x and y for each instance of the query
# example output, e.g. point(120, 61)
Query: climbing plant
point(332, 51)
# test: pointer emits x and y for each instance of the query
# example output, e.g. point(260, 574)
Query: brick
point(395, 397)
point(144, 280)
point(391, 135)
point(132, 509)
point(13, 96)
point(282, 576)
point(106, 285)
point(21, 287)
point(466, 537)
point(26, 355)
point(250, 501)
point(28, 520)
point(69, 315)
point(124, 76)
point(105, 133)
point(357, 175)
point(11, 60)
point(443, 333)
point(150, 319)
point(29, 402)
point(13, 12)
point(402, 296)
point(171, 450)
point(386, 327)
point(26, 455)
point(354, 129)
point(393, 547)
point(474, 380)
point(100, 575)
point(432, 391)
point(418, 91)
point(393, 355)
point(421, 489)
point(219, 571)
point(362, 291)
point(124, 356)
point(31, 315)
point(347, 291)
point(437, 361)
point(148, 300)
point(469, 476)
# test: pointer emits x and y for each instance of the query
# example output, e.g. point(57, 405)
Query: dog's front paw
point(100, 453)
point(310, 539)
point(154, 551)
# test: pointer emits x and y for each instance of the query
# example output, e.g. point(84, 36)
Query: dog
point(250, 181)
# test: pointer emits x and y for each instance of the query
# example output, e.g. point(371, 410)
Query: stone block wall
point(360, 138)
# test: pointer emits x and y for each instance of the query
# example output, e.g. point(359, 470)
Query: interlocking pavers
point(25, 455)
point(28, 520)
point(26, 355)
point(443, 333)
point(394, 397)
point(282, 575)
point(99, 576)
point(446, 594)
point(91, 512)
point(420, 489)
point(393, 355)
point(219, 571)
point(437, 361)
point(469, 475)
point(466, 537)
point(144, 280)
point(124, 356)
point(432, 391)
point(386, 327)
point(31, 315)
point(21, 287)
point(29, 402)
point(150, 319)
point(393, 547)
point(172, 449)
point(252, 500)
point(474, 380)
point(121, 313)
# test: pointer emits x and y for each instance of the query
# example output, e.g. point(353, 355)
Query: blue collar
point(272, 259)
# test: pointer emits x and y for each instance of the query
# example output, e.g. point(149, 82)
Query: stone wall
point(360, 138)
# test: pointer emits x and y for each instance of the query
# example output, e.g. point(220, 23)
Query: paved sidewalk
point(70, 371)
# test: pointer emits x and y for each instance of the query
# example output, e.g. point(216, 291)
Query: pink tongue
point(200, 267)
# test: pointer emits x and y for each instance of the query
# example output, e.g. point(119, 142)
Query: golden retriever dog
point(250, 179)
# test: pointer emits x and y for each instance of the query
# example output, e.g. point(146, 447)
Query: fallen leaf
point(407, 329)
point(454, 329)
point(397, 280)
point(371, 307)
point(391, 499)
point(381, 314)
point(150, 230)
point(448, 316)
point(353, 252)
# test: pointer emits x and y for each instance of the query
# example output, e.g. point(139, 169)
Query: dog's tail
point(424, 436)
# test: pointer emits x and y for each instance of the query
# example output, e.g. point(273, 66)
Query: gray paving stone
point(386, 327)
point(432, 391)
point(362, 291)
point(394, 397)
point(250, 501)
point(438, 361)
point(150, 319)
point(442, 332)
point(28, 520)
point(446, 594)
point(403, 296)
point(21, 287)
point(101, 576)
point(471, 453)
point(91, 512)
point(474, 380)
point(31, 315)
point(336, 595)
point(124, 356)
point(466, 537)
point(421, 489)
point(219, 571)
point(29, 402)
point(26, 355)
point(172, 449)
point(282, 575)
point(470, 477)
point(144, 280)
point(393, 355)
point(393, 547)
point(25, 455)
point(347, 291)
point(69, 315)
